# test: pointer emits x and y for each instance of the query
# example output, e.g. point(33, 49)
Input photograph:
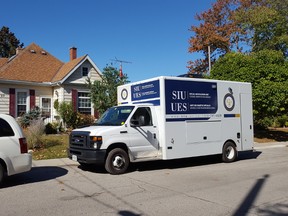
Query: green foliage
point(26, 118)
point(267, 70)
point(84, 120)
point(8, 43)
point(67, 113)
point(239, 25)
point(282, 121)
point(104, 92)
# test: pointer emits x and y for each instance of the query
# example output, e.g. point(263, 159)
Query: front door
point(143, 134)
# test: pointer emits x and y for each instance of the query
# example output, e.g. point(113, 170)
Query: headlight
point(96, 142)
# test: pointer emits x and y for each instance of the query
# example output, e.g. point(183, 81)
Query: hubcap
point(118, 161)
point(230, 152)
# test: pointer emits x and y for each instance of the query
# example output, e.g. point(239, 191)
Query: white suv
point(13, 148)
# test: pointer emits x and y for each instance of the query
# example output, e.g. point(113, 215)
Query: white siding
point(4, 99)
point(78, 78)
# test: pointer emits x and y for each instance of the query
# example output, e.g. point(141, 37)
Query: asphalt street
point(254, 185)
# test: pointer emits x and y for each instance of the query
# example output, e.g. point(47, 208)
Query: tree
point(8, 43)
point(104, 92)
point(217, 31)
point(267, 70)
point(239, 25)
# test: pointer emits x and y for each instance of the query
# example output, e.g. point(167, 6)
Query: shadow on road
point(36, 174)
point(172, 164)
point(187, 162)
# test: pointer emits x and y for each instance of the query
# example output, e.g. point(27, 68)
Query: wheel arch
point(231, 141)
point(117, 145)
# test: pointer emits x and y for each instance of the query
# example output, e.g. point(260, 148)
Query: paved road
point(257, 184)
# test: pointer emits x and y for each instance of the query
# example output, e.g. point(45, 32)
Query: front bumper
point(87, 156)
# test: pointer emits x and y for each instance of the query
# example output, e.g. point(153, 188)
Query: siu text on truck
point(168, 118)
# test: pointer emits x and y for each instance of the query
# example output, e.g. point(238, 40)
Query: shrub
point(34, 133)
point(68, 115)
point(282, 120)
point(26, 118)
point(84, 119)
point(50, 129)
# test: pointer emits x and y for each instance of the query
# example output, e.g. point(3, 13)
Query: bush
point(282, 120)
point(84, 119)
point(34, 133)
point(67, 113)
point(50, 129)
point(26, 118)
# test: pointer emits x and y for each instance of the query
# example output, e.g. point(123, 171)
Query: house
point(33, 77)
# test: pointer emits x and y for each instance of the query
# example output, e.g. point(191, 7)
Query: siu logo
point(229, 101)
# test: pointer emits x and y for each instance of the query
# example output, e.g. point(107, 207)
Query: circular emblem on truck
point(229, 102)
point(124, 94)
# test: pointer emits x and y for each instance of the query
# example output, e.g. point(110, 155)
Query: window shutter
point(96, 114)
point(12, 101)
point(74, 99)
point(32, 98)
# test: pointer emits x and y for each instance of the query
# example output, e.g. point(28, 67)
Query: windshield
point(115, 116)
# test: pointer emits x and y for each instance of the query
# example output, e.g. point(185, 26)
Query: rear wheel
point(229, 153)
point(117, 161)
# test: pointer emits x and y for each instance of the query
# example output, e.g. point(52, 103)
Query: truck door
point(246, 122)
point(143, 134)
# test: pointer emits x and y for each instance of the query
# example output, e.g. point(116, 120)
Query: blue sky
point(152, 34)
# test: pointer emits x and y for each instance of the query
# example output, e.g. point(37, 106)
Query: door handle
point(121, 132)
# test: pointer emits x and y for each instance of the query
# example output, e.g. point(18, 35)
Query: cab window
point(142, 116)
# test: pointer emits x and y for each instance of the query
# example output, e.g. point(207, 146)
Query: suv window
point(5, 129)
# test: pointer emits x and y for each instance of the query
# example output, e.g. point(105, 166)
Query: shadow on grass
point(272, 134)
point(36, 174)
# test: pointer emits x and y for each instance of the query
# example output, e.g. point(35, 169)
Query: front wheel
point(229, 153)
point(117, 161)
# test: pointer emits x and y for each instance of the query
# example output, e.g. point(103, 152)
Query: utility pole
point(209, 61)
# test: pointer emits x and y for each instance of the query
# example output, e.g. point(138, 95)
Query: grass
point(55, 146)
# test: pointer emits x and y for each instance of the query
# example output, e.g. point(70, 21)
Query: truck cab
point(123, 133)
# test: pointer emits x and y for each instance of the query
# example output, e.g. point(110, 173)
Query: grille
point(79, 140)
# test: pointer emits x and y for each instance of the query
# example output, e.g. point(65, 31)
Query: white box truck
point(168, 118)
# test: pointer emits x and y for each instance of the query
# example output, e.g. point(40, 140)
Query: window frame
point(49, 109)
point(83, 107)
point(82, 70)
point(17, 91)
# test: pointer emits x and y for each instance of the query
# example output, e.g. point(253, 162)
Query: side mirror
point(137, 123)
point(134, 123)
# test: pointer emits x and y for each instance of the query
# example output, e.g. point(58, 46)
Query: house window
point(84, 103)
point(21, 103)
point(84, 71)
point(46, 107)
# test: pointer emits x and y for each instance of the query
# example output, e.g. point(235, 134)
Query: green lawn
point(54, 146)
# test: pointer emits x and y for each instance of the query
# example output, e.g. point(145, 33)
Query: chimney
point(73, 53)
point(18, 49)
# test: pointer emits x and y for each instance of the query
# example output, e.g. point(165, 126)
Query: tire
point(1, 173)
point(229, 153)
point(117, 161)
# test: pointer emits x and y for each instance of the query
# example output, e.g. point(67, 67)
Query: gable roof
point(34, 64)
point(66, 68)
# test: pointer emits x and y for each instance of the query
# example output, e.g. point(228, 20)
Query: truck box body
point(171, 117)
point(195, 116)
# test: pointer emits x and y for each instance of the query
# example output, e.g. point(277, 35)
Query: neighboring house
point(33, 77)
